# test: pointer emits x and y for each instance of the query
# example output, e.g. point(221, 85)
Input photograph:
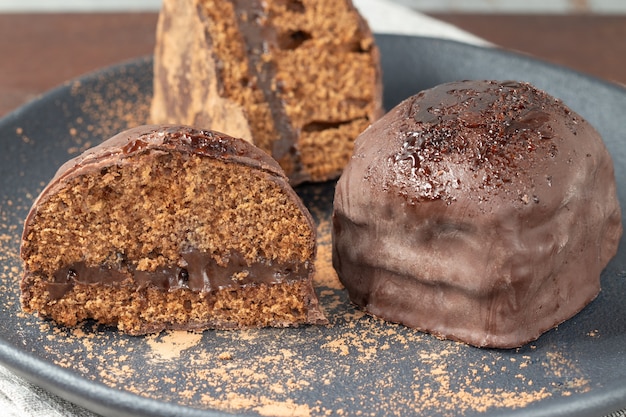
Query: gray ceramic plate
point(356, 366)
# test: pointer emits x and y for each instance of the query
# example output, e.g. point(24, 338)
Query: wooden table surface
point(41, 51)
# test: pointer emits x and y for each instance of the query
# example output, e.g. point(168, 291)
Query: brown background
point(40, 51)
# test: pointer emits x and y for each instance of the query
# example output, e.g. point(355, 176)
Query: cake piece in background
point(298, 78)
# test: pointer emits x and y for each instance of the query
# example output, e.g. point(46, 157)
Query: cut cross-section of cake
point(299, 78)
point(170, 227)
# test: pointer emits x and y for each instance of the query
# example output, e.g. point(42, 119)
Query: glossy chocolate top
point(495, 130)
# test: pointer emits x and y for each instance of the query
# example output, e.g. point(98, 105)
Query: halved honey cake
point(170, 227)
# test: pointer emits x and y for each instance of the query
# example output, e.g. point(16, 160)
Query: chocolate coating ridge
point(479, 211)
point(169, 138)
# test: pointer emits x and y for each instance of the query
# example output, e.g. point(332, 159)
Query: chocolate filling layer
point(198, 272)
point(260, 37)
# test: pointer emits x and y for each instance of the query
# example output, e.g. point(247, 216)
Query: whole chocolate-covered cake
point(478, 211)
point(170, 227)
point(298, 78)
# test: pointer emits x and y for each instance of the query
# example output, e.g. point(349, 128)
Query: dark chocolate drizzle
point(197, 271)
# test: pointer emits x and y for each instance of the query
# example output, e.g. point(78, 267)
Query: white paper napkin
point(19, 398)
point(385, 16)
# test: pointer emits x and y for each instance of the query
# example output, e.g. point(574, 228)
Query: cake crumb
point(283, 409)
point(170, 345)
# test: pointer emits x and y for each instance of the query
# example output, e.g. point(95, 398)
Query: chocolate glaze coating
point(478, 211)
